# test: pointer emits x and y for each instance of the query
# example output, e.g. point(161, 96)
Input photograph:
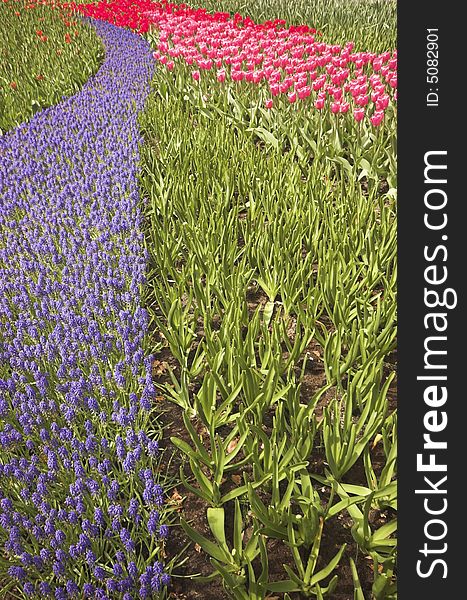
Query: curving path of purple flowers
point(79, 501)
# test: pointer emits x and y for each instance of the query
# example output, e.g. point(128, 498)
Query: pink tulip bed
point(198, 318)
point(290, 63)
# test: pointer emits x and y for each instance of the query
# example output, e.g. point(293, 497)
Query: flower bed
point(286, 61)
point(80, 500)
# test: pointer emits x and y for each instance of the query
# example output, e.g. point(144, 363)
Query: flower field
point(198, 300)
point(44, 55)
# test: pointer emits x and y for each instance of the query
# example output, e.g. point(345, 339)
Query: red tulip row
point(291, 61)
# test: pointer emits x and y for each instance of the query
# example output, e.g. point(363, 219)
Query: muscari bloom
point(72, 262)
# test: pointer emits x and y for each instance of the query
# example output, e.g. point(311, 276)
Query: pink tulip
point(274, 88)
point(382, 102)
point(377, 64)
point(337, 93)
point(385, 70)
point(358, 114)
point(362, 89)
point(258, 76)
point(292, 96)
point(376, 118)
point(304, 92)
point(236, 75)
point(195, 75)
point(319, 103)
point(268, 103)
point(318, 84)
point(361, 100)
point(221, 75)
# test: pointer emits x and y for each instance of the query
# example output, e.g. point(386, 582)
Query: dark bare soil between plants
point(192, 509)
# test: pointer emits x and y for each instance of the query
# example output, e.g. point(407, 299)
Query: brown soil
point(193, 509)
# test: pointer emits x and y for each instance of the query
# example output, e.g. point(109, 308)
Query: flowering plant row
point(291, 61)
point(272, 288)
point(272, 235)
point(80, 500)
point(371, 25)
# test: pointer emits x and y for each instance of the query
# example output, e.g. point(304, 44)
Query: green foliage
point(45, 53)
point(234, 563)
point(371, 24)
point(272, 244)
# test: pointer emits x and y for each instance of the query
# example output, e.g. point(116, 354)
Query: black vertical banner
point(432, 364)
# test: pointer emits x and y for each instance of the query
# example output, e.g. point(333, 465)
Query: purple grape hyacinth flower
point(73, 375)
